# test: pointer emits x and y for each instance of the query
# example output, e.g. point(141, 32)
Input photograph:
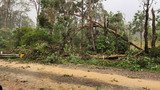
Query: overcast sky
point(127, 7)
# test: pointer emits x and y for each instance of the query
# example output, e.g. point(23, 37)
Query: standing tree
point(7, 5)
point(13, 14)
point(37, 5)
point(146, 5)
point(138, 25)
point(154, 36)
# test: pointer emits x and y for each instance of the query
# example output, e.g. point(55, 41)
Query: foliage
point(29, 36)
point(137, 64)
point(74, 59)
point(34, 43)
point(138, 22)
point(77, 29)
point(54, 58)
point(35, 36)
point(6, 40)
point(123, 45)
point(154, 52)
point(101, 44)
point(12, 18)
point(19, 33)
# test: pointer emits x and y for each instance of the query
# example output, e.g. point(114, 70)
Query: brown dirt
point(19, 76)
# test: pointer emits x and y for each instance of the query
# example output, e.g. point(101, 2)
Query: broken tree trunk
point(9, 55)
point(112, 31)
point(111, 57)
point(96, 24)
point(125, 39)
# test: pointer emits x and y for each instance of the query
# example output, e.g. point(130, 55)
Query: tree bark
point(141, 39)
point(146, 27)
point(82, 24)
point(154, 37)
point(37, 4)
point(7, 7)
point(106, 22)
point(91, 26)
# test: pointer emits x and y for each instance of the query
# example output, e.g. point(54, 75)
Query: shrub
point(122, 45)
point(19, 33)
point(101, 43)
point(135, 64)
point(143, 62)
point(31, 38)
point(75, 59)
point(154, 52)
point(6, 40)
point(52, 59)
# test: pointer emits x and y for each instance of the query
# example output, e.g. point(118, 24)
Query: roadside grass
point(142, 63)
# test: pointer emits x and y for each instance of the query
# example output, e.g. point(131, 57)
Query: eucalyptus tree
point(91, 10)
point(146, 5)
point(5, 9)
point(154, 36)
point(116, 23)
point(137, 25)
point(12, 13)
point(37, 6)
point(59, 14)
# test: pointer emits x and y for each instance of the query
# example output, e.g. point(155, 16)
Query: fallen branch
point(111, 57)
point(110, 31)
point(9, 55)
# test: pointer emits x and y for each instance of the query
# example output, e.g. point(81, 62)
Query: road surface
point(30, 76)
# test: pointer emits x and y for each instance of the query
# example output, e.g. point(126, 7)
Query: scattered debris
point(114, 80)
point(145, 88)
point(66, 75)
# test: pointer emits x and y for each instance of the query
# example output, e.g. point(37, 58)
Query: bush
point(52, 59)
point(37, 52)
point(75, 59)
point(143, 62)
point(30, 36)
point(101, 44)
point(154, 52)
point(136, 64)
point(122, 45)
point(6, 40)
point(19, 33)
point(156, 60)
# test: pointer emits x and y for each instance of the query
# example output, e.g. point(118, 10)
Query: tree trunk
point(37, 4)
point(109, 31)
point(106, 22)
point(146, 27)
point(7, 7)
point(141, 39)
point(154, 37)
point(91, 26)
point(116, 43)
point(82, 24)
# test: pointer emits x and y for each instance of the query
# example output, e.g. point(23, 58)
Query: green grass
point(131, 63)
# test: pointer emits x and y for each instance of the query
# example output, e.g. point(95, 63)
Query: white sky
point(127, 7)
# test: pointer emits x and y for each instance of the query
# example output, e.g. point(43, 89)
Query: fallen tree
point(97, 24)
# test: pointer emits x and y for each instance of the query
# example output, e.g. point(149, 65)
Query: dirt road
point(20, 76)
